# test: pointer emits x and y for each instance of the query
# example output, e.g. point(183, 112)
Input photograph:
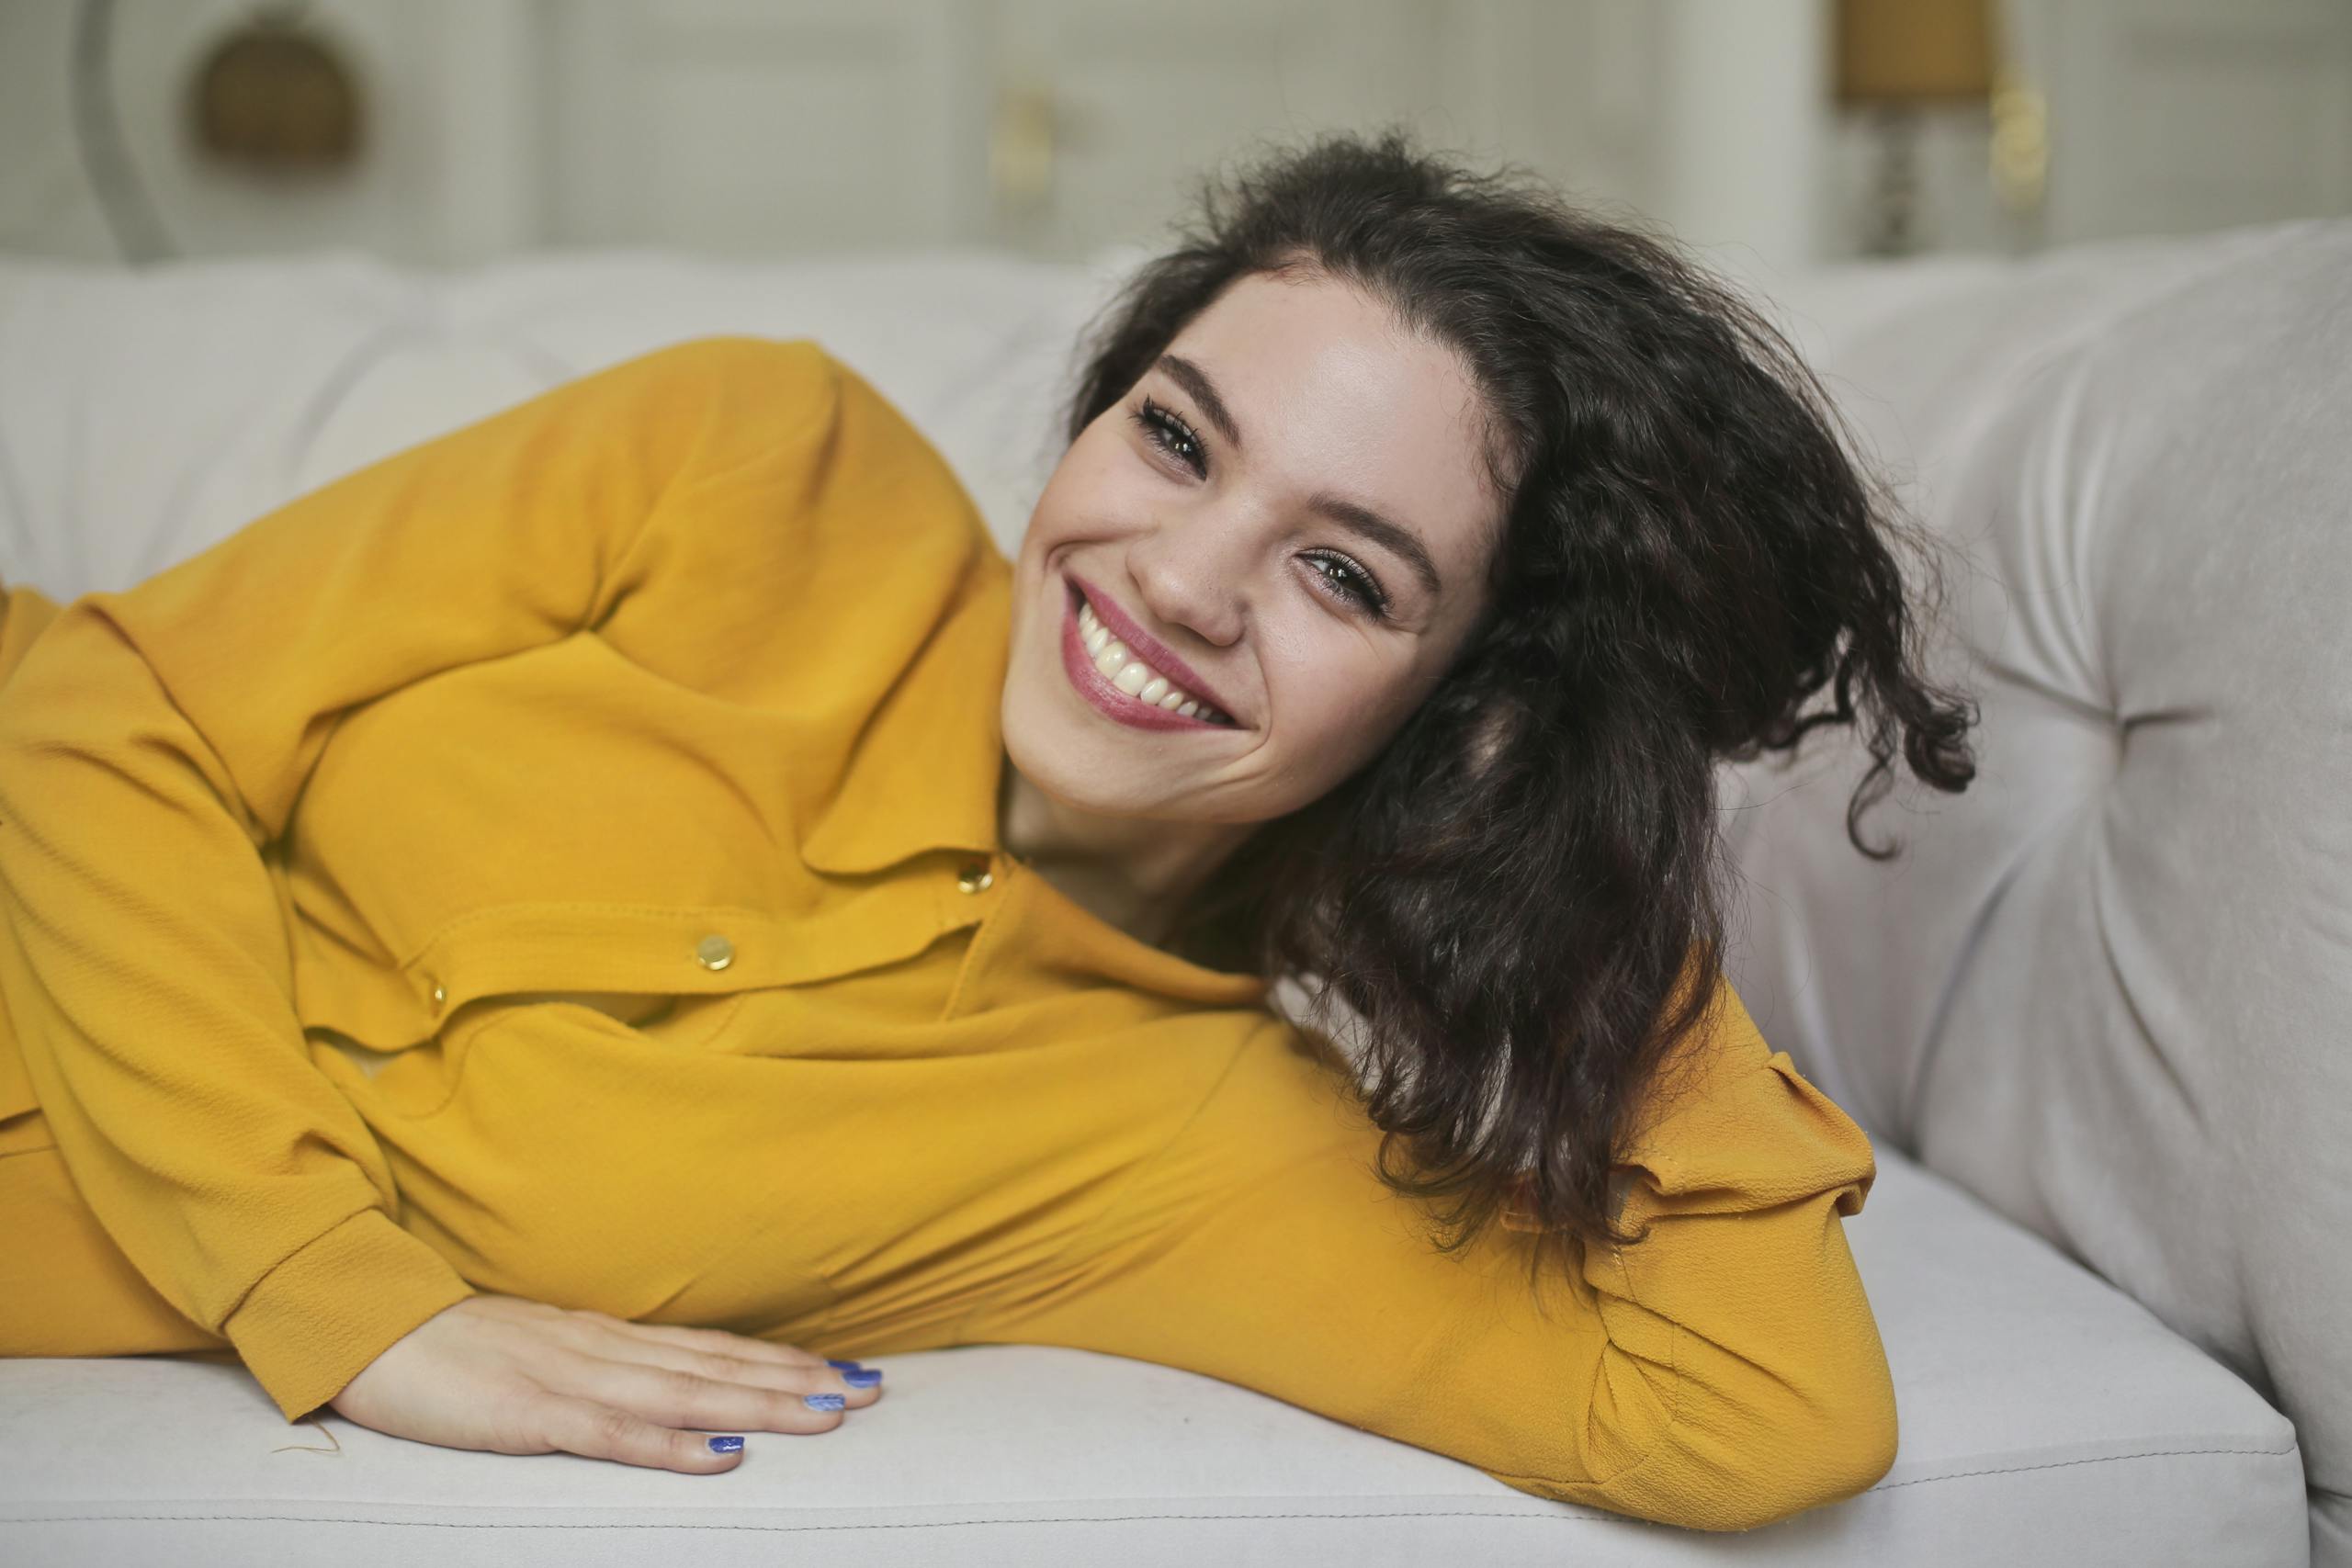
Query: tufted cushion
point(2107, 989)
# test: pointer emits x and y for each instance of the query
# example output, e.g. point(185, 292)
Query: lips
point(1105, 696)
point(1148, 648)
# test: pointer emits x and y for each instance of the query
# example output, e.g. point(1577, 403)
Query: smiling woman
point(1500, 527)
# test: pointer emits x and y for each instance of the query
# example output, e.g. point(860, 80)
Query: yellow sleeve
point(1725, 1373)
point(154, 742)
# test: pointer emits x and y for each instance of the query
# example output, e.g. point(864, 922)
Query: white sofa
point(2093, 1019)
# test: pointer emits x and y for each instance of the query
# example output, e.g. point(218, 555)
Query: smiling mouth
point(1110, 693)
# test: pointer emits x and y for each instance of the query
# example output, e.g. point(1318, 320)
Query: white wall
point(435, 183)
point(1708, 117)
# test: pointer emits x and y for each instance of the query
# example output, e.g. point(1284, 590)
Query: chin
point(1048, 750)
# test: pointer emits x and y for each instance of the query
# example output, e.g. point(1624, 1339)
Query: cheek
point(1085, 489)
point(1341, 708)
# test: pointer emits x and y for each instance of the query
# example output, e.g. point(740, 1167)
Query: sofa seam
point(2095, 1458)
point(1963, 1474)
point(1596, 1517)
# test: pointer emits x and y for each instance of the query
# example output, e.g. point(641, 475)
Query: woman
point(733, 917)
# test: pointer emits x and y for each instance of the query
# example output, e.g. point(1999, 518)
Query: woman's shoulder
point(1730, 1112)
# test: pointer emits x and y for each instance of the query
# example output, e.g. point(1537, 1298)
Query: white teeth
point(1135, 677)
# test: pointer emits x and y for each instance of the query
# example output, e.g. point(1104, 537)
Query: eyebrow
point(1356, 518)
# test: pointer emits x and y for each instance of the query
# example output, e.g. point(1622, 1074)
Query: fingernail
point(823, 1401)
point(863, 1377)
point(726, 1445)
point(844, 1366)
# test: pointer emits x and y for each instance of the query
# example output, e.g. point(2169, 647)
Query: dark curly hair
point(1519, 898)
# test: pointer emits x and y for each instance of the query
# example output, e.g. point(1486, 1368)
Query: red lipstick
point(1148, 648)
point(1097, 687)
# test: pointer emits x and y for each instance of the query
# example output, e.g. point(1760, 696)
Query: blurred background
point(447, 132)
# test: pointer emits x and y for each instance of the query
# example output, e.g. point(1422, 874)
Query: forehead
point(1333, 392)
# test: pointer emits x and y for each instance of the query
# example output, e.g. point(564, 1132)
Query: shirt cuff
point(316, 1321)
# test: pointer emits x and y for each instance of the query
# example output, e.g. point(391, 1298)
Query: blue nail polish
point(823, 1401)
point(844, 1366)
point(726, 1445)
point(865, 1377)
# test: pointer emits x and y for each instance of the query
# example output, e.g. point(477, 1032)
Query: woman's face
point(1209, 509)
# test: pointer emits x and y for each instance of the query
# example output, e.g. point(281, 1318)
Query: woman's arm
point(154, 741)
point(1723, 1373)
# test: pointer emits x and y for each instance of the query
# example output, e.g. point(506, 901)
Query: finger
point(738, 1345)
point(676, 1398)
point(814, 1377)
point(604, 1431)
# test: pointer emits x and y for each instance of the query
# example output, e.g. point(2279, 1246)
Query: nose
point(1190, 576)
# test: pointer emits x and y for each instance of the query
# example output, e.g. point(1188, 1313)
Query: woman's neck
point(1130, 873)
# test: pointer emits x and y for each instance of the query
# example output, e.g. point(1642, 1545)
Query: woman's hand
point(521, 1377)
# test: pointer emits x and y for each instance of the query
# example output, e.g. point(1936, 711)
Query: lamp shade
point(1914, 51)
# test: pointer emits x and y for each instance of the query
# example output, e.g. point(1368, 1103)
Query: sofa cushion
point(2046, 1418)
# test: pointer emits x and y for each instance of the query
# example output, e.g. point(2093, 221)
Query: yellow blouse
point(559, 859)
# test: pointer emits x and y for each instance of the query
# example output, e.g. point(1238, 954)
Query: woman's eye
point(1355, 584)
point(1350, 582)
point(1171, 435)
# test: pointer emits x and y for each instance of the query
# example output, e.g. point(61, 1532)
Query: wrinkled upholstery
point(2085, 1017)
point(2107, 990)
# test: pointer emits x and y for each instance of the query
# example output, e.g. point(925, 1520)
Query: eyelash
point(1164, 429)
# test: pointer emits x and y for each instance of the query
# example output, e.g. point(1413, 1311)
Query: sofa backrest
point(147, 413)
point(2108, 989)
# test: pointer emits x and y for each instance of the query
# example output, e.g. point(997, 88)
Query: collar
point(946, 713)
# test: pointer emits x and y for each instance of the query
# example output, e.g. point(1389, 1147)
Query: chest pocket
point(424, 1076)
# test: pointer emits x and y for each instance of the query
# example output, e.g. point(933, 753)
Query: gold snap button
point(976, 877)
point(440, 994)
point(713, 952)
